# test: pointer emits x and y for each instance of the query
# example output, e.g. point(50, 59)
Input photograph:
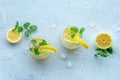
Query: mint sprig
point(75, 30)
point(29, 28)
point(104, 52)
point(81, 31)
point(17, 27)
point(37, 45)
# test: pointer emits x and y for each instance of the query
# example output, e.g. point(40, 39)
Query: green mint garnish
point(73, 35)
point(44, 42)
point(27, 33)
point(33, 42)
point(36, 51)
point(31, 49)
point(81, 31)
point(33, 28)
point(26, 25)
point(20, 29)
point(16, 26)
point(29, 28)
point(74, 29)
point(104, 52)
point(98, 49)
point(110, 50)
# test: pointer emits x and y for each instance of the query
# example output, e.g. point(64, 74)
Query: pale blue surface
point(52, 16)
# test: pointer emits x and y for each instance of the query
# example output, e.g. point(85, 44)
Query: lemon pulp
point(103, 40)
point(13, 36)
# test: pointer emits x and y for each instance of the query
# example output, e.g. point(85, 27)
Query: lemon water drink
point(41, 48)
point(71, 38)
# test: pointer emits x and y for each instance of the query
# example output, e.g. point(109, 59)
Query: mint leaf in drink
point(73, 35)
point(36, 51)
point(74, 29)
point(81, 31)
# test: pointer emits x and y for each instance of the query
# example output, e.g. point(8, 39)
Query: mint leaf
point(27, 33)
point(17, 25)
point(74, 29)
point(26, 25)
point(102, 53)
point(81, 31)
point(36, 51)
point(98, 49)
point(33, 42)
point(31, 49)
point(33, 28)
point(73, 35)
point(44, 42)
point(110, 50)
point(20, 29)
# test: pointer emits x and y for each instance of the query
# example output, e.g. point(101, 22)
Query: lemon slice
point(13, 36)
point(80, 41)
point(103, 40)
point(47, 48)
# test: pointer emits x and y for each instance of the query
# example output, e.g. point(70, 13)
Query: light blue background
point(52, 16)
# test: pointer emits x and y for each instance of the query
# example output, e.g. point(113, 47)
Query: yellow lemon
point(103, 40)
point(13, 36)
point(47, 48)
point(80, 41)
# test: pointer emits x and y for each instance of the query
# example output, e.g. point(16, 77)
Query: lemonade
point(41, 48)
point(71, 38)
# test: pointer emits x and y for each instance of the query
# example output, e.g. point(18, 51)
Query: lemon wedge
point(81, 42)
point(13, 36)
point(47, 48)
point(103, 40)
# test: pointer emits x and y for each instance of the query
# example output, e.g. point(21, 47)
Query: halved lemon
point(76, 39)
point(103, 40)
point(13, 36)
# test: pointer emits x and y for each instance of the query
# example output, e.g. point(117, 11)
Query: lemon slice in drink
point(45, 51)
point(81, 42)
point(47, 48)
point(13, 36)
point(103, 40)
